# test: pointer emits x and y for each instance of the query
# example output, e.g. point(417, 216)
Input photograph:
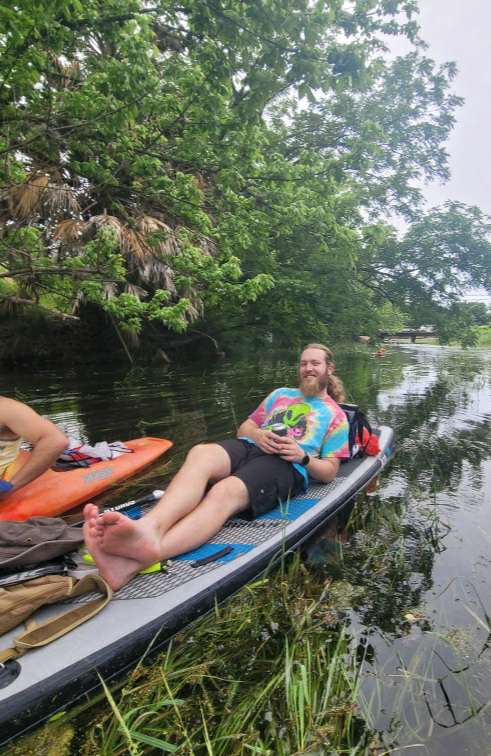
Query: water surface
point(415, 553)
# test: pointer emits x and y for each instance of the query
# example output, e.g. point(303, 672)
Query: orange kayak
point(55, 492)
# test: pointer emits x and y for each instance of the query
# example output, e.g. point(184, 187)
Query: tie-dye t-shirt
point(318, 425)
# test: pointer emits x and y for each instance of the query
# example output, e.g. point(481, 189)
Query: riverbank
point(44, 340)
point(484, 336)
point(41, 339)
point(483, 340)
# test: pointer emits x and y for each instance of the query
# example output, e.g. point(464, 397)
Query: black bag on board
point(360, 430)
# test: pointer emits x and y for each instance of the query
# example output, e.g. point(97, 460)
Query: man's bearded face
point(313, 372)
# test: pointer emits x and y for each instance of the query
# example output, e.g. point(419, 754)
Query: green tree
point(172, 164)
point(479, 312)
point(352, 149)
point(426, 272)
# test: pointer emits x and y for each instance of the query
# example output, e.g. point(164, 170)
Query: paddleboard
point(153, 607)
point(55, 492)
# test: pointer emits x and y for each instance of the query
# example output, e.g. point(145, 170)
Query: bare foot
point(116, 570)
point(121, 536)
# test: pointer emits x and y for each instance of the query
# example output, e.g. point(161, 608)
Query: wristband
point(5, 486)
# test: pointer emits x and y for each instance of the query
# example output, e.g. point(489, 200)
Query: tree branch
point(58, 271)
point(20, 300)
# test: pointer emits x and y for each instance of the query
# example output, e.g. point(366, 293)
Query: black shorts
point(268, 478)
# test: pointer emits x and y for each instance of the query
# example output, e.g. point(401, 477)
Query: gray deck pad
point(239, 534)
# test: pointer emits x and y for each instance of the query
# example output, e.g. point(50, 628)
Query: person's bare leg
point(225, 499)
point(140, 540)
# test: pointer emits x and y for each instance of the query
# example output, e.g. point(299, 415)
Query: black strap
point(212, 557)
point(357, 423)
point(64, 465)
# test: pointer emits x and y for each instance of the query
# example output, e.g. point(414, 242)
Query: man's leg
point(225, 498)
point(204, 464)
point(260, 483)
point(139, 542)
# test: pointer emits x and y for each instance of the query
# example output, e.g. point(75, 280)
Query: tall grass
point(267, 673)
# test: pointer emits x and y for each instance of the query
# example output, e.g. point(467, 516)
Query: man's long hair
point(334, 386)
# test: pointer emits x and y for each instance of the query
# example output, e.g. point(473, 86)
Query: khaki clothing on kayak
point(9, 450)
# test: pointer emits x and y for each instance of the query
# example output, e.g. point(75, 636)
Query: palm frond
point(40, 196)
point(137, 291)
point(68, 74)
point(167, 278)
point(157, 273)
point(207, 245)
point(25, 201)
point(69, 231)
point(167, 245)
point(96, 222)
point(59, 199)
point(195, 310)
point(148, 224)
point(133, 244)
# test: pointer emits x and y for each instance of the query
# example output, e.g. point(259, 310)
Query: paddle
point(136, 504)
point(133, 504)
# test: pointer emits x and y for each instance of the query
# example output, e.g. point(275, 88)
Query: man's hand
point(271, 443)
point(323, 470)
point(289, 449)
point(5, 488)
point(266, 440)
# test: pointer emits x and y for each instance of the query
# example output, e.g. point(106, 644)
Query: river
point(416, 551)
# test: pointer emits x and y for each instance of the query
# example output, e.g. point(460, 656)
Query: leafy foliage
point(227, 163)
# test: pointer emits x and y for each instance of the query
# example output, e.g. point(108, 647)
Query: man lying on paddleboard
point(18, 423)
point(294, 433)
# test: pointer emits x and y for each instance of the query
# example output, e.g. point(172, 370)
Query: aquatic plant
point(269, 672)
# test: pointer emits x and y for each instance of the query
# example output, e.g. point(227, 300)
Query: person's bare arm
point(324, 470)
point(47, 440)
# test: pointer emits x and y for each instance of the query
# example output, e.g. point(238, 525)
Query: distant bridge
point(410, 333)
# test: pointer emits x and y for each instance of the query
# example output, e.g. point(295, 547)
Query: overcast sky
point(460, 30)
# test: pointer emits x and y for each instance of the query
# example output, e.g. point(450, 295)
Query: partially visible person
point(18, 423)
point(247, 475)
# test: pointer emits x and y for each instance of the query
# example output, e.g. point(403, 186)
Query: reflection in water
point(408, 566)
point(419, 553)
